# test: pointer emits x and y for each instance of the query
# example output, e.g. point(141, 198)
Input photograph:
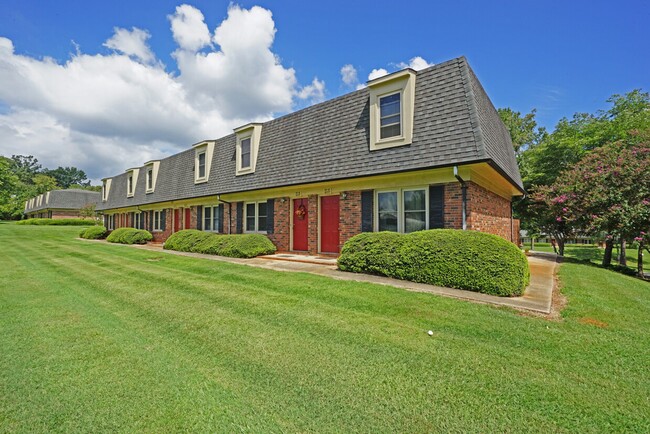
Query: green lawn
point(97, 338)
point(592, 253)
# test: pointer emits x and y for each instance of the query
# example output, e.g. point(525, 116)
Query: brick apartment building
point(411, 151)
point(59, 204)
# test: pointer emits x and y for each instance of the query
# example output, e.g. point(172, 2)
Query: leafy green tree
point(524, 131)
point(67, 176)
point(41, 184)
point(25, 167)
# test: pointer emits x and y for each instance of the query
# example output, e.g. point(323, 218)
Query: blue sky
point(558, 57)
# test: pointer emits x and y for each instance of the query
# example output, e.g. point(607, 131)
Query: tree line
point(590, 175)
point(22, 177)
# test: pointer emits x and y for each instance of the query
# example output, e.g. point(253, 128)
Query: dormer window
point(106, 187)
point(390, 115)
point(151, 171)
point(202, 161)
point(392, 104)
point(248, 142)
point(131, 181)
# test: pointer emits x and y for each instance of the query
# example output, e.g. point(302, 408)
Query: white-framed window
point(150, 179)
point(402, 210)
point(129, 188)
point(211, 218)
point(245, 155)
point(157, 220)
point(392, 105)
point(200, 165)
point(255, 214)
point(390, 115)
point(137, 220)
point(110, 222)
point(106, 187)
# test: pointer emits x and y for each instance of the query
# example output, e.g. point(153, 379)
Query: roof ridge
point(463, 66)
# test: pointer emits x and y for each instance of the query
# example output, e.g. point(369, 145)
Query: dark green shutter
point(163, 220)
point(150, 221)
point(220, 211)
point(199, 217)
point(269, 216)
point(142, 220)
point(366, 210)
point(436, 206)
point(240, 217)
point(132, 220)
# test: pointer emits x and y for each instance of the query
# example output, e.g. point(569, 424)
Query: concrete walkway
point(537, 296)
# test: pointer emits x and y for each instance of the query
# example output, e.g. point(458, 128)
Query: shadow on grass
point(621, 269)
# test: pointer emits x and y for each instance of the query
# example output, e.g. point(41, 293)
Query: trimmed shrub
point(93, 233)
point(469, 260)
point(58, 222)
point(129, 236)
point(234, 246)
point(183, 241)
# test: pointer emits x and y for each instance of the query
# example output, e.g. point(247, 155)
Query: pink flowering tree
point(607, 191)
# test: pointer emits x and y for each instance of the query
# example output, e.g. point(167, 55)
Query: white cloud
point(132, 43)
point(376, 73)
point(103, 113)
point(349, 75)
point(416, 63)
point(314, 92)
point(188, 28)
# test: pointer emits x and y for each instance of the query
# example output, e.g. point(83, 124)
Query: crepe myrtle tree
point(607, 191)
point(550, 213)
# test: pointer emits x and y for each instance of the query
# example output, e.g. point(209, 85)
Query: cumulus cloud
point(103, 113)
point(132, 43)
point(416, 63)
point(349, 75)
point(376, 73)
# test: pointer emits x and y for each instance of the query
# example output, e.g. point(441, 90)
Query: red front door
point(329, 224)
point(300, 219)
point(188, 217)
point(177, 220)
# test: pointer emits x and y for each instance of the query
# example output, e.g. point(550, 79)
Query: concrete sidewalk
point(537, 296)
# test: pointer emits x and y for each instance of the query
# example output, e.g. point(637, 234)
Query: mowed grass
point(106, 338)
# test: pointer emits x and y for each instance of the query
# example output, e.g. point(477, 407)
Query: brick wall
point(161, 236)
point(64, 214)
point(349, 217)
point(453, 206)
point(516, 227)
point(312, 225)
point(193, 215)
point(281, 224)
point(488, 212)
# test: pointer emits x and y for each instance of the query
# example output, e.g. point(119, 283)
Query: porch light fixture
point(344, 195)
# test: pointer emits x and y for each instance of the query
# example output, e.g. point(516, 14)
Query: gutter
point(463, 188)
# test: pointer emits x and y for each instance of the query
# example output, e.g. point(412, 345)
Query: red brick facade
point(488, 212)
point(281, 223)
point(349, 216)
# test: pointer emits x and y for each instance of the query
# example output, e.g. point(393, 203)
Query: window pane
point(388, 221)
point(390, 120)
point(415, 200)
point(390, 131)
point(215, 219)
point(387, 201)
point(246, 153)
point(202, 165)
point(207, 213)
point(414, 221)
point(389, 105)
point(149, 179)
point(250, 216)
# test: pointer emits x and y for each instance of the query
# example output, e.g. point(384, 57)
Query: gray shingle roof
point(66, 199)
point(454, 123)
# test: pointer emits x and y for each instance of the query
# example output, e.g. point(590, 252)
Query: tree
point(608, 191)
point(548, 212)
point(67, 176)
point(87, 211)
point(42, 184)
point(524, 131)
point(25, 167)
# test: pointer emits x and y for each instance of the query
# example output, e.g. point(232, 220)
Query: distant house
point(410, 151)
point(58, 204)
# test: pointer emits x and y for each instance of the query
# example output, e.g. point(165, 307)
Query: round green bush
point(129, 236)
point(93, 233)
point(184, 240)
point(469, 260)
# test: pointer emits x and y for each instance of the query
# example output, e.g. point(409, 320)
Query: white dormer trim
point(252, 131)
point(106, 188)
point(47, 198)
point(39, 200)
point(402, 82)
point(153, 166)
point(134, 173)
point(206, 148)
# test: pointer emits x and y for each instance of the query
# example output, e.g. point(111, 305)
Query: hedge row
point(129, 236)
point(58, 222)
point(234, 246)
point(93, 233)
point(469, 260)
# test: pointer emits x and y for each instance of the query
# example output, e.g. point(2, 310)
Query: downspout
point(463, 188)
point(229, 212)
